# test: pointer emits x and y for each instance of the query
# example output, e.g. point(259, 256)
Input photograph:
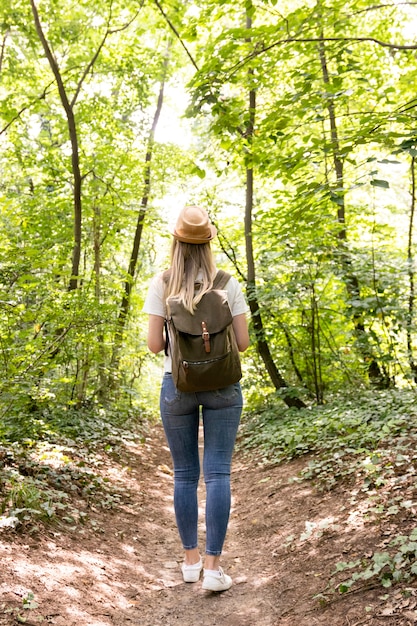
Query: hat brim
point(213, 233)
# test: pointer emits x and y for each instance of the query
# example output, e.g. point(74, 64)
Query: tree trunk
point(316, 349)
point(3, 48)
point(102, 378)
point(125, 303)
point(376, 375)
point(411, 277)
point(261, 343)
point(75, 157)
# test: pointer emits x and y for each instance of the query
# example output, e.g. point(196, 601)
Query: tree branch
point(25, 108)
point(3, 48)
point(109, 31)
point(52, 61)
point(375, 7)
point(258, 51)
point(178, 36)
point(228, 250)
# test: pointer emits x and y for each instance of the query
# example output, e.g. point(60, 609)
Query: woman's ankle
point(212, 562)
point(191, 557)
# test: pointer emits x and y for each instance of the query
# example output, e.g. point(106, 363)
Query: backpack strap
point(166, 346)
point(221, 280)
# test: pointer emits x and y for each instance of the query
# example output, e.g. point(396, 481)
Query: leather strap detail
point(206, 337)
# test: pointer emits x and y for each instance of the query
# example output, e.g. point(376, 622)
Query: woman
point(192, 262)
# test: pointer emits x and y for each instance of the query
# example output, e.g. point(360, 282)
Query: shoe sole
point(192, 576)
point(216, 588)
point(190, 579)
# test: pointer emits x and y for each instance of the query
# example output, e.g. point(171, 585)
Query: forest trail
point(122, 567)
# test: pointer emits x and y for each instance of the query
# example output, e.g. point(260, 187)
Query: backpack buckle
point(206, 337)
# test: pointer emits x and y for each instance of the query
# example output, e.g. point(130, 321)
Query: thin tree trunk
point(68, 106)
point(376, 375)
point(316, 348)
point(291, 352)
point(262, 346)
point(337, 161)
point(75, 157)
point(125, 303)
point(261, 343)
point(102, 379)
point(411, 276)
point(3, 48)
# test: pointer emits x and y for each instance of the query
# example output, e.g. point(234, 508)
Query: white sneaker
point(191, 573)
point(216, 581)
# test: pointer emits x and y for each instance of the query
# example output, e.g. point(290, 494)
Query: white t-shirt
point(154, 302)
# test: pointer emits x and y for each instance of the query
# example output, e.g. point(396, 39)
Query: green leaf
point(376, 182)
point(198, 171)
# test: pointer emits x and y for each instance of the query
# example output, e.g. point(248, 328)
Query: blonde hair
point(187, 259)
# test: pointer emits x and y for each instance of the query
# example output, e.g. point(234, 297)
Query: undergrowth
point(53, 466)
point(53, 469)
point(367, 445)
point(345, 425)
point(396, 564)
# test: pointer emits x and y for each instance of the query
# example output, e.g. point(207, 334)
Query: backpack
point(203, 345)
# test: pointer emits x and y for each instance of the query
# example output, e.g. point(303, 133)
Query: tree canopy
point(293, 123)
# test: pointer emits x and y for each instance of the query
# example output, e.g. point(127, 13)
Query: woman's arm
point(240, 326)
point(156, 338)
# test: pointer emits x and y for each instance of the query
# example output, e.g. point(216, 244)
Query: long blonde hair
point(187, 259)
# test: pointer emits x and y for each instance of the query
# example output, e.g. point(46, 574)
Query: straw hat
point(194, 226)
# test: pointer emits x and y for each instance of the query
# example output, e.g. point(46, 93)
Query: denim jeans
point(180, 412)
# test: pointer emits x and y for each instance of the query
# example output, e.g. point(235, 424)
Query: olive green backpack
point(203, 345)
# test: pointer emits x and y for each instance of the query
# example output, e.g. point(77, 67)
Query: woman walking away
point(189, 278)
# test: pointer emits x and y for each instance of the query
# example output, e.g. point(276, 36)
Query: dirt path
point(122, 567)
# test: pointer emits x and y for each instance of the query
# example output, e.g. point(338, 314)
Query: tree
point(300, 122)
point(147, 172)
point(304, 122)
point(85, 138)
point(262, 345)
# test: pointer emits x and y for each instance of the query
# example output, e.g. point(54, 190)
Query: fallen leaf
point(411, 615)
point(165, 469)
point(389, 610)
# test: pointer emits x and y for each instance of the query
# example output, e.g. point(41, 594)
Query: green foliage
point(327, 121)
point(56, 467)
point(56, 344)
point(331, 151)
point(365, 446)
point(398, 564)
point(28, 603)
point(344, 429)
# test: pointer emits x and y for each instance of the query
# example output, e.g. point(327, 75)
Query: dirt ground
point(122, 566)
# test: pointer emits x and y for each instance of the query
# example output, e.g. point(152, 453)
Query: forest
point(294, 124)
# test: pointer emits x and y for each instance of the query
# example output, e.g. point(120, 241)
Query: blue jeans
point(180, 412)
